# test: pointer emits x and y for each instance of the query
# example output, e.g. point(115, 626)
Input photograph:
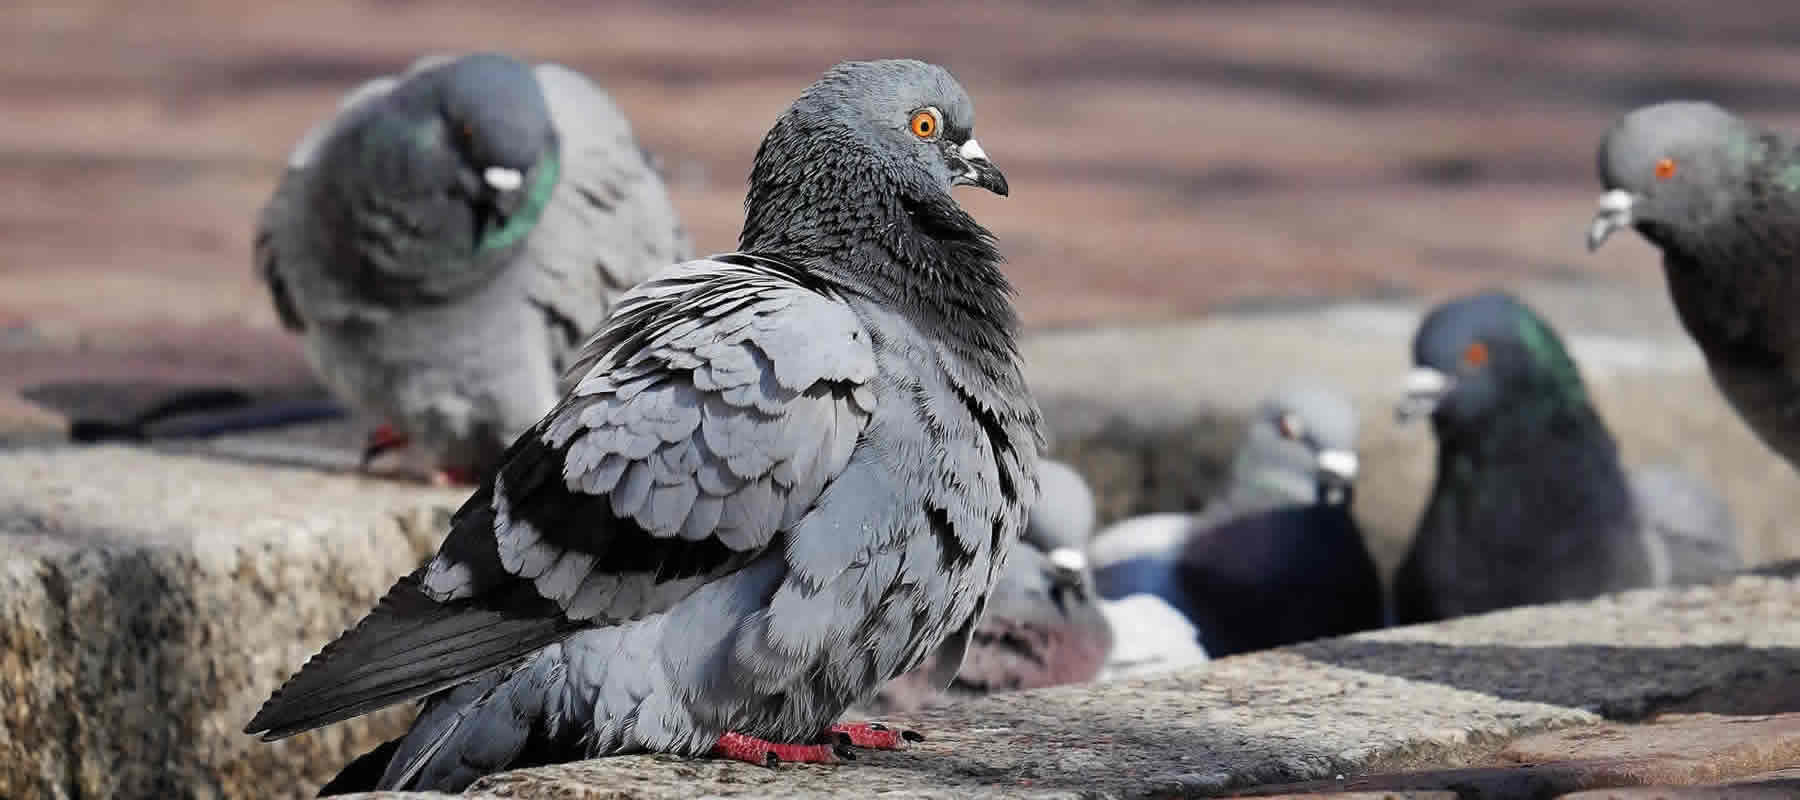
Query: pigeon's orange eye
point(924, 124)
point(1665, 169)
point(1475, 355)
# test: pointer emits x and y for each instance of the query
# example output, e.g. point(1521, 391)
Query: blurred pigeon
point(1531, 504)
point(1721, 198)
point(1043, 625)
point(1277, 559)
point(785, 476)
point(446, 242)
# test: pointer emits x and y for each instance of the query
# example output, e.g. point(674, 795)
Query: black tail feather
point(408, 647)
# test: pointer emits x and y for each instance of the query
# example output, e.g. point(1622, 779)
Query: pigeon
point(1720, 197)
point(1277, 559)
point(445, 243)
point(1531, 503)
point(1043, 624)
point(784, 476)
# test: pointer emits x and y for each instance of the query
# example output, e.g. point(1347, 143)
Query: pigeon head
point(1482, 357)
point(869, 133)
point(1062, 519)
point(466, 144)
point(1669, 168)
point(499, 126)
point(1301, 444)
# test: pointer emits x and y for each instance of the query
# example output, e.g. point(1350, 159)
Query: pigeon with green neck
point(447, 240)
point(1531, 503)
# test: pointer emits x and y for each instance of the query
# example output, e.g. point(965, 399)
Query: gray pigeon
point(785, 476)
point(1531, 503)
point(1277, 559)
point(449, 238)
point(1043, 624)
point(1721, 198)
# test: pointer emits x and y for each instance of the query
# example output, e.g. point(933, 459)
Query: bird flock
point(720, 504)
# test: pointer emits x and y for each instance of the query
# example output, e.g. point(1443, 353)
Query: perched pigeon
point(785, 476)
point(446, 242)
point(1531, 504)
point(1277, 559)
point(1043, 625)
point(1721, 198)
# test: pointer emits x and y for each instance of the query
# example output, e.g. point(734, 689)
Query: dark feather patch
point(997, 439)
point(952, 554)
point(537, 494)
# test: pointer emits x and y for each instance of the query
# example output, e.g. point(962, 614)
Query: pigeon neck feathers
point(818, 198)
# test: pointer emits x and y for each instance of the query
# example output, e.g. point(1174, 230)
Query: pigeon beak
point(978, 170)
point(1069, 564)
point(502, 193)
point(502, 179)
point(1614, 213)
point(1425, 388)
point(1338, 465)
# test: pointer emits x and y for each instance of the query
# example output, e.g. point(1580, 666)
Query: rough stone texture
point(1422, 794)
point(1152, 414)
point(1784, 783)
point(1674, 750)
point(1677, 749)
point(149, 603)
point(1455, 695)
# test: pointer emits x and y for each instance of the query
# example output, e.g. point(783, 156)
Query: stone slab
point(1679, 749)
point(150, 603)
point(1784, 783)
point(1453, 695)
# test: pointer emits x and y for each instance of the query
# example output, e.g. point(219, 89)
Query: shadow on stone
point(1616, 682)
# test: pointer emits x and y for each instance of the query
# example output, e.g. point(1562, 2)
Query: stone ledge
point(149, 603)
point(1458, 694)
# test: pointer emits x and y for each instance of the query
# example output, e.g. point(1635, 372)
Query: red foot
point(739, 747)
point(876, 736)
point(381, 440)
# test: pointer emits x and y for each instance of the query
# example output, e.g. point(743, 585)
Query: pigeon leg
point(876, 736)
point(381, 440)
point(738, 747)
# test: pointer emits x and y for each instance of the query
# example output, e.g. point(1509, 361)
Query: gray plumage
point(784, 477)
point(1720, 197)
point(446, 242)
point(1270, 470)
point(1531, 503)
point(1043, 624)
point(1064, 516)
point(1278, 559)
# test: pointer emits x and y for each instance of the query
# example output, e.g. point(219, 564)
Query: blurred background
point(1168, 160)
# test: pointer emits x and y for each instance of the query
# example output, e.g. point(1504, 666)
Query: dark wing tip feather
point(408, 647)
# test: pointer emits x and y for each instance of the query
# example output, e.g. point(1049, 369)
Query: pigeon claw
point(761, 752)
point(876, 736)
point(381, 440)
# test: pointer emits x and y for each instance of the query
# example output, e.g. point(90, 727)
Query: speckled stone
point(149, 604)
point(1444, 696)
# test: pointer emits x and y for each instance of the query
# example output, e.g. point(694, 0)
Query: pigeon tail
point(408, 647)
